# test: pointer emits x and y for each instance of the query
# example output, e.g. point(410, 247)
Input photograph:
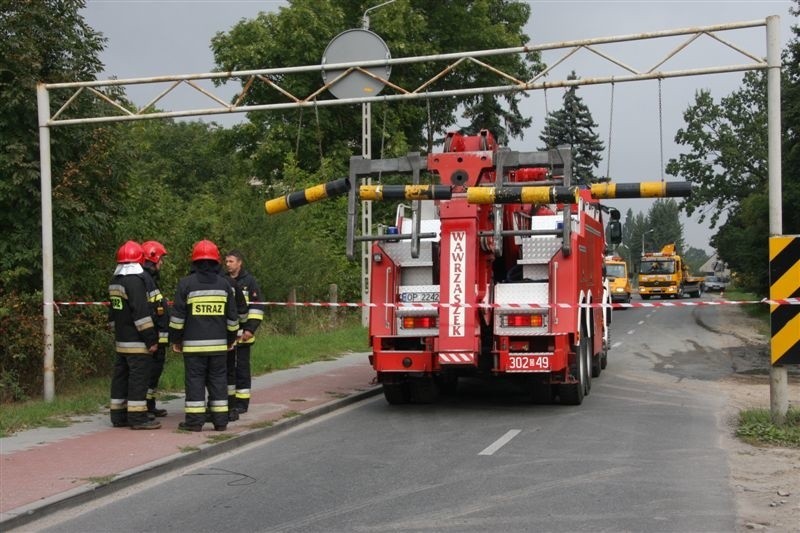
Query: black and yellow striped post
point(784, 282)
point(307, 196)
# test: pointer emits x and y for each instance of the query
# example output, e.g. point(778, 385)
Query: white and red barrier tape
point(433, 305)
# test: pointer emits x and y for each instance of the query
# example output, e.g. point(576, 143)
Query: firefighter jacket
point(158, 304)
point(129, 311)
point(203, 319)
point(255, 306)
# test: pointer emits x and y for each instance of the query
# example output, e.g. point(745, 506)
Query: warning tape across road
point(434, 305)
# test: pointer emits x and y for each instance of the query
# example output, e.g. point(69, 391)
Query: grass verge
point(756, 427)
point(271, 352)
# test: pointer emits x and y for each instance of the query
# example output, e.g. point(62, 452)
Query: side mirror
point(614, 232)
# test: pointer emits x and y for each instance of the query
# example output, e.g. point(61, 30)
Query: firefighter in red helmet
point(136, 340)
point(154, 252)
point(203, 325)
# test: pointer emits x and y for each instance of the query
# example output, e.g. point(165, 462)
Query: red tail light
point(524, 321)
point(420, 322)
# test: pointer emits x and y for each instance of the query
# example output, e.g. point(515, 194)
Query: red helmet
point(205, 249)
point(153, 251)
point(130, 252)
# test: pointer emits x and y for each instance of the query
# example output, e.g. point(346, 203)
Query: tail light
point(523, 321)
point(420, 322)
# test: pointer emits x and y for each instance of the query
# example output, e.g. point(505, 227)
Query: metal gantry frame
point(507, 84)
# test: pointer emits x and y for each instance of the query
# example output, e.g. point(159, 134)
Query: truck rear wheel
point(396, 393)
point(573, 393)
point(423, 390)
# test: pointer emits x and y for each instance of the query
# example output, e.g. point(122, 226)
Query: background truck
point(665, 274)
point(495, 269)
point(619, 283)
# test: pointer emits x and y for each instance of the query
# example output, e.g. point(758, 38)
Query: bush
point(83, 346)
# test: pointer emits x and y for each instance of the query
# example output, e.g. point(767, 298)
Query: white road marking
point(631, 332)
point(616, 345)
point(641, 322)
point(502, 441)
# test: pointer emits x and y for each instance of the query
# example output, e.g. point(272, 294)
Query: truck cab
point(618, 281)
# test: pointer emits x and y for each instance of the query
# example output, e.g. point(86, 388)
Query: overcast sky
point(161, 37)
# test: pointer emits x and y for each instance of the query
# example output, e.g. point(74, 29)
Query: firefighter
point(239, 377)
point(135, 337)
point(154, 252)
point(202, 325)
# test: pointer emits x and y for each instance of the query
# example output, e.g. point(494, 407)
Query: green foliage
point(49, 41)
point(573, 125)
point(726, 160)
point(299, 34)
point(695, 258)
point(756, 427)
point(663, 219)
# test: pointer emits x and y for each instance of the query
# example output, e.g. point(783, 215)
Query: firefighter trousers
point(205, 372)
point(129, 389)
point(157, 368)
point(239, 378)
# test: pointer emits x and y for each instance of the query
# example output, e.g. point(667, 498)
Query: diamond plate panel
point(539, 249)
point(400, 252)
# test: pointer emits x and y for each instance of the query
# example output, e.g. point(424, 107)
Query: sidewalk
point(48, 469)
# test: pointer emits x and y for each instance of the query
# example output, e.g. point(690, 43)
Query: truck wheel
point(423, 390)
point(573, 393)
point(597, 365)
point(587, 367)
point(604, 359)
point(396, 393)
point(645, 296)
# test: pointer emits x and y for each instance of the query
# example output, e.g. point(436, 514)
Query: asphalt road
point(641, 454)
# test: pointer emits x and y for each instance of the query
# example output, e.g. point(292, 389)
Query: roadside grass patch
point(221, 437)
point(759, 311)
point(261, 425)
point(188, 449)
point(100, 480)
point(755, 427)
point(290, 414)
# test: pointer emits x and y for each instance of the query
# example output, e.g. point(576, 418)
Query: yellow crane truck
point(666, 274)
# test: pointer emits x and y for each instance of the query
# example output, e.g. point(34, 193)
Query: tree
point(727, 162)
point(299, 34)
point(573, 125)
point(664, 220)
point(49, 41)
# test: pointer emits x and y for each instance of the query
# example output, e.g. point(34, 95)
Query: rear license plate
point(528, 363)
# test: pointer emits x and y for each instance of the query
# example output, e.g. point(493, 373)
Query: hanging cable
point(383, 137)
point(660, 130)
point(430, 125)
point(299, 129)
point(610, 129)
point(319, 129)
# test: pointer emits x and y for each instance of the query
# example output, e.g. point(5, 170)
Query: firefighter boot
point(150, 424)
point(155, 411)
point(233, 414)
point(188, 427)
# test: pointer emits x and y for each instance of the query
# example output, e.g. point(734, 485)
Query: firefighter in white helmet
point(136, 340)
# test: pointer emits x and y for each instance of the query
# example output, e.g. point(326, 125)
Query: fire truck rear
point(470, 286)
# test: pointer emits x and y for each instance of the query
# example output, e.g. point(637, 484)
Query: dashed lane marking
point(502, 441)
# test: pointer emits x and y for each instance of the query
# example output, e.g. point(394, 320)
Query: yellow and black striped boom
point(307, 196)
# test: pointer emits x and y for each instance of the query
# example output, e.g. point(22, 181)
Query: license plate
point(528, 363)
point(409, 297)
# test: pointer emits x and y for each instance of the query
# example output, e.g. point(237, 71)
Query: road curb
point(35, 511)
